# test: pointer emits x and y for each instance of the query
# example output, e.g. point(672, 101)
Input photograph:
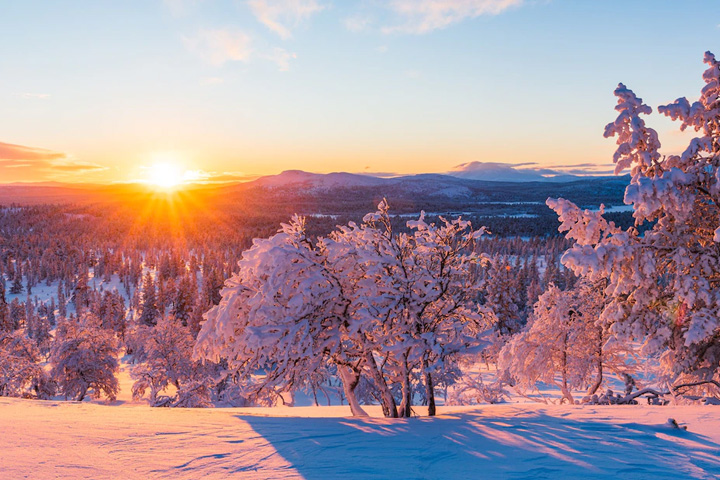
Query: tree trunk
point(314, 394)
point(406, 404)
point(350, 380)
point(594, 388)
point(564, 388)
point(387, 400)
point(429, 390)
point(82, 394)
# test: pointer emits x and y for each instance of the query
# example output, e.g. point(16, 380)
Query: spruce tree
point(5, 323)
point(62, 301)
point(17, 287)
point(182, 306)
point(149, 311)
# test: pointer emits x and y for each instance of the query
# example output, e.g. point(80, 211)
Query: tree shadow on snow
point(470, 445)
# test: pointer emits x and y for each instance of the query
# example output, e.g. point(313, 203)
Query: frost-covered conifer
point(663, 284)
point(149, 310)
point(62, 301)
point(183, 301)
point(212, 283)
point(51, 313)
point(17, 287)
point(111, 312)
point(81, 293)
point(502, 294)
point(6, 324)
point(17, 314)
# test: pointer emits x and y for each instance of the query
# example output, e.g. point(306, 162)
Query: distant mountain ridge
point(335, 179)
point(456, 180)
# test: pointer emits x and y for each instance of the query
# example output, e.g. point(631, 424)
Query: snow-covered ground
point(55, 439)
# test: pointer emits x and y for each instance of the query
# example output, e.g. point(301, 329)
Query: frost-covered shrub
point(564, 344)
point(21, 372)
point(471, 389)
point(84, 359)
point(164, 366)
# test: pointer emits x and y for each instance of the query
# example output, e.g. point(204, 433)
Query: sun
point(165, 175)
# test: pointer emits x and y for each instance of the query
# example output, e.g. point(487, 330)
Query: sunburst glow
point(165, 175)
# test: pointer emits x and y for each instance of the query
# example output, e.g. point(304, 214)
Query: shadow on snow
point(470, 445)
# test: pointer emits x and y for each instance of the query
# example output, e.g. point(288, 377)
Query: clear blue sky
point(107, 88)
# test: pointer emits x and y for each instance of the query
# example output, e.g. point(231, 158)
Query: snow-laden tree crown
point(663, 280)
point(365, 303)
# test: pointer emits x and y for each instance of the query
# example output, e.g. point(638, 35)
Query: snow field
point(48, 439)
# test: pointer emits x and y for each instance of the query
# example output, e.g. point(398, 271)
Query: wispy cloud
point(41, 161)
point(423, 16)
point(281, 58)
point(9, 151)
point(36, 96)
point(219, 46)
point(51, 168)
point(585, 168)
point(533, 168)
point(202, 176)
point(281, 16)
point(76, 167)
point(357, 23)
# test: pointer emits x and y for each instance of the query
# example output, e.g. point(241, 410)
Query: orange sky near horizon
point(39, 164)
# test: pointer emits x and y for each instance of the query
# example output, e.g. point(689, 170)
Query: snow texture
point(45, 439)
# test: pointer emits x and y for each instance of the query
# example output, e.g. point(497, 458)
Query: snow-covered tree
point(565, 344)
point(21, 371)
point(165, 367)
point(6, 324)
point(84, 358)
point(418, 292)
point(81, 294)
point(663, 284)
point(183, 301)
point(284, 313)
point(51, 313)
point(365, 261)
point(364, 301)
point(62, 301)
point(41, 328)
point(149, 310)
point(502, 291)
point(111, 312)
point(17, 314)
point(17, 287)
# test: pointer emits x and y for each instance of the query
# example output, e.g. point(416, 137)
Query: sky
point(103, 91)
